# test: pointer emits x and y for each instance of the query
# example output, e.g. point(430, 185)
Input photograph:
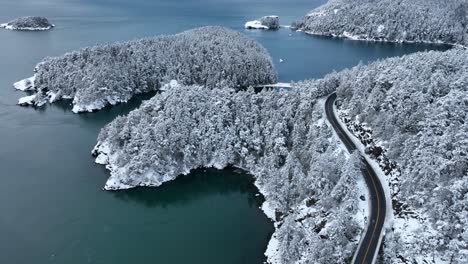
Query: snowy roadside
point(375, 166)
point(364, 205)
point(408, 225)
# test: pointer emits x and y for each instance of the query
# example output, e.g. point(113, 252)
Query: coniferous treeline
point(391, 20)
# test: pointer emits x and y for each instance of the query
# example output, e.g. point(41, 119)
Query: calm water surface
point(52, 209)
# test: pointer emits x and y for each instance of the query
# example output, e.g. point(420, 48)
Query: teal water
point(52, 208)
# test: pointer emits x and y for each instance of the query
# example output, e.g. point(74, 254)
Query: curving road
point(370, 242)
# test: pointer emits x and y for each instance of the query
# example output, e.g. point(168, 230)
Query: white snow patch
point(363, 211)
point(380, 28)
point(171, 84)
point(268, 209)
point(320, 122)
point(272, 251)
point(114, 184)
point(411, 230)
point(319, 13)
point(102, 150)
point(277, 85)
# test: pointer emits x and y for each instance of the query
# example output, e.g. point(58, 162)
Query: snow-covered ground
point(410, 230)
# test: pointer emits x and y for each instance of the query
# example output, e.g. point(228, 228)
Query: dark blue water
point(52, 209)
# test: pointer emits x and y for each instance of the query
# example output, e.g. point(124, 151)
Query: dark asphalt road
point(369, 245)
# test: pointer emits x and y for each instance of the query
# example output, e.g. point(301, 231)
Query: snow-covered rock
point(266, 22)
point(255, 24)
point(27, 100)
point(25, 84)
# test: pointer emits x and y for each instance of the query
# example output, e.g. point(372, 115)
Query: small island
point(266, 22)
point(28, 24)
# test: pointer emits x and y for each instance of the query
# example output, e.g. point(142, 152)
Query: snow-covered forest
point(279, 137)
point(108, 74)
point(391, 20)
point(416, 106)
point(28, 23)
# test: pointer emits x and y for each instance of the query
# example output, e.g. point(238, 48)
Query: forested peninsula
point(279, 137)
point(430, 21)
point(109, 74)
point(310, 185)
